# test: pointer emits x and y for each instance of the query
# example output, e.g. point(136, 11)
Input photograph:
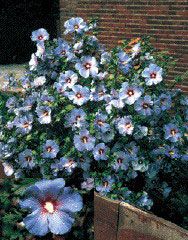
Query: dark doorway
point(18, 18)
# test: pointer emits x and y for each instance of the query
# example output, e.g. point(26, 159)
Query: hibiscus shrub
point(93, 119)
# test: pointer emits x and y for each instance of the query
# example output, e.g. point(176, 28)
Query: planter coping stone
point(127, 222)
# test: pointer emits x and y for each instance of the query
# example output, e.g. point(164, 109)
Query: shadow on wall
point(17, 20)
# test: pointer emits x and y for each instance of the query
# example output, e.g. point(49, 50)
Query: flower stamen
point(49, 207)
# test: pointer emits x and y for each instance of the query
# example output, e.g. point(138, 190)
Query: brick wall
point(166, 21)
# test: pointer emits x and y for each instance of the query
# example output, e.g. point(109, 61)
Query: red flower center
point(153, 75)
point(71, 162)
point(76, 27)
point(145, 105)
point(28, 158)
point(49, 149)
point(119, 160)
point(101, 151)
point(78, 117)
point(84, 139)
point(68, 80)
point(100, 123)
point(45, 113)
point(63, 52)
point(105, 183)
point(101, 93)
point(49, 206)
point(79, 95)
point(40, 37)
point(130, 92)
point(61, 90)
point(128, 125)
point(25, 125)
point(87, 65)
point(173, 132)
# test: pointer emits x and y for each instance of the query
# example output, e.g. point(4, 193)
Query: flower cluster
point(106, 119)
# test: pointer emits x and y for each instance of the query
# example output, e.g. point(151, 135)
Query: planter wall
point(115, 220)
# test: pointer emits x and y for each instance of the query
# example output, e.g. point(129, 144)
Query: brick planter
point(115, 220)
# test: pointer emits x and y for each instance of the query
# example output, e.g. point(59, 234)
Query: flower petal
point(84, 73)
point(71, 201)
point(30, 204)
point(51, 187)
point(33, 191)
point(60, 222)
point(36, 223)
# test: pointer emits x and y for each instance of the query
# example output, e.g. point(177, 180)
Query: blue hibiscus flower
point(121, 161)
point(124, 61)
point(98, 93)
point(100, 123)
point(64, 50)
point(129, 93)
point(105, 57)
point(28, 103)
point(44, 114)
point(11, 103)
point(144, 106)
point(68, 79)
point(50, 149)
point(24, 124)
point(25, 159)
point(79, 95)
point(172, 152)
point(87, 66)
point(75, 25)
point(68, 164)
point(76, 118)
point(105, 186)
point(131, 148)
point(163, 103)
point(100, 152)
point(52, 206)
point(46, 99)
point(60, 88)
point(40, 35)
point(84, 141)
point(144, 201)
point(125, 125)
point(152, 74)
point(172, 132)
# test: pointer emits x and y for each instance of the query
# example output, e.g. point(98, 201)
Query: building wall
point(166, 21)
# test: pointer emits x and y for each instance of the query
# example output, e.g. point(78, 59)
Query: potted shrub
point(89, 119)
